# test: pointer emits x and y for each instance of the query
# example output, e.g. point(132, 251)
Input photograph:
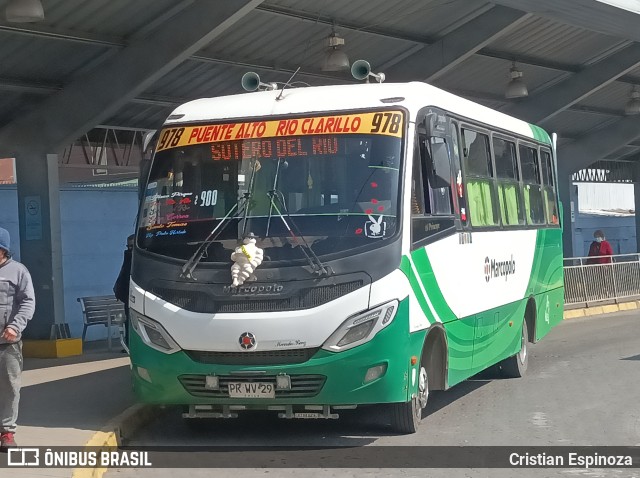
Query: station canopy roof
point(579, 59)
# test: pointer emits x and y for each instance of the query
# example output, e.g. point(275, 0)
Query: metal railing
point(586, 281)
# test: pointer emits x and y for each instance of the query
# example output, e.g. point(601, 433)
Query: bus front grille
point(204, 302)
point(302, 386)
point(266, 357)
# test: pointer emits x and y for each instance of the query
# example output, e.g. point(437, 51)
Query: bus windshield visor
point(332, 181)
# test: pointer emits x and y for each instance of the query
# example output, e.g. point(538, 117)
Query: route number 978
point(386, 123)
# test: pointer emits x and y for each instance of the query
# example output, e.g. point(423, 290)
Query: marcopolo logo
point(253, 289)
point(494, 269)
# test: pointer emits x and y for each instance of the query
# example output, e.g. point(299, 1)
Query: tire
point(406, 416)
point(516, 366)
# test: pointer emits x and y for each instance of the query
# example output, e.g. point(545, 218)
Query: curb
point(113, 433)
point(601, 309)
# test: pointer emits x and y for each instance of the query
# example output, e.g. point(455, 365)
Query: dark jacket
point(121, 287)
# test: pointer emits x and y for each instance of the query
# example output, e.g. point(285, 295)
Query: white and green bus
point(411, 239)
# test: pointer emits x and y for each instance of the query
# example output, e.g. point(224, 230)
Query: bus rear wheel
point(406, 416)
point(516, 366)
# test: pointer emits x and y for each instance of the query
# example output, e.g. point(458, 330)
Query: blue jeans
point(10, 374)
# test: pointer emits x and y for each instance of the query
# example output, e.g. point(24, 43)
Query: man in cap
point(17, 304)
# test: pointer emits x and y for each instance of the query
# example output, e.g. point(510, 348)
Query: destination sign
point(387, 123)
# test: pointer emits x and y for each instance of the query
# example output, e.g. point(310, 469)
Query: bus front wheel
point(516, 366)
point(406, 416)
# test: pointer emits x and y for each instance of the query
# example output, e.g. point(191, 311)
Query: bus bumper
point(327, 378)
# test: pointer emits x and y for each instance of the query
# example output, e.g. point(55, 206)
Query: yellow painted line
point(607, 309)
point(109, 437)
point(628, 305)
point(102, 440)
point(601, 309)
point(573, 313)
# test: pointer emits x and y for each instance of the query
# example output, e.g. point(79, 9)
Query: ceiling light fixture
point(24, 11)
point(516, 87)
point(335, 59)
point(633, 105)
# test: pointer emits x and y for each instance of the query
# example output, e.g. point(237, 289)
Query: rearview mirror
point(436, 125)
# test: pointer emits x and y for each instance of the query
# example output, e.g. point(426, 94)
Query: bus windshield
point(333, 180)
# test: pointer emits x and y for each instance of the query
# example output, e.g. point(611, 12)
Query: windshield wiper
point(242, 207)
point(316, 264)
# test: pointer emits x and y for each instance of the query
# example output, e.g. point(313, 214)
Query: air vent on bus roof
point(395, 99)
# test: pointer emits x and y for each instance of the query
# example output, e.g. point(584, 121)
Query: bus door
point(433, 204)
point(435, 216)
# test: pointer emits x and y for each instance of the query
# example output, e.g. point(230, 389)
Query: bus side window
point(548, 188)
point(436, 162)
point(532, 188)
point(479, 179)
point(507, 178)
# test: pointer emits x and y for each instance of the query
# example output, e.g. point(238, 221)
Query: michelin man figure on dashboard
point(247, 257)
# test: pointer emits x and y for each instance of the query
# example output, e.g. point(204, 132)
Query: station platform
point(66, 401)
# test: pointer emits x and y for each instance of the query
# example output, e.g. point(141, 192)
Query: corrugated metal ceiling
point(572, 124)
point(266, 39)
point(281, 35)
point(553, 41)
point(614, 96)
point(424, 19)
point(115, 18)
point(41, 59)
point(491, 76)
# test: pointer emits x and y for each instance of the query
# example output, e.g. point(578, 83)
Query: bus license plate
point(251, 390)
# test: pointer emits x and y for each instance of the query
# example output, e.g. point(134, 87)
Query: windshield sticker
point(375, 228)
point(207, 198)
point(387, 123)
point(177, 217)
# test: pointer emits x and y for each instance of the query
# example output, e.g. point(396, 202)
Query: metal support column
point(40, 241)
point(636, 193)
point(569, 211)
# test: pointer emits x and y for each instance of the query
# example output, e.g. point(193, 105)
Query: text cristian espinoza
point(572, 459)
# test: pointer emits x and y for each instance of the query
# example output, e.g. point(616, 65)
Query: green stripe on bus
point(423, 265)
point(539, 134)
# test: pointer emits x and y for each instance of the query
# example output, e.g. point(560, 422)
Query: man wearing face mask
point(17, 304)
point(600, 250)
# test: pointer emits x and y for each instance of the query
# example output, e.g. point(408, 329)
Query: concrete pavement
point(64, 402)
point(580, 389)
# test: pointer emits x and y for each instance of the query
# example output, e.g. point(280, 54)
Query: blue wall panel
point(95, 226)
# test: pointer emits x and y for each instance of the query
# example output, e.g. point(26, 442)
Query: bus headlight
point(152, 333)
point(361, 328)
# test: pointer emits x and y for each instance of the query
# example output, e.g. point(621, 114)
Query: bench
point(102, 310)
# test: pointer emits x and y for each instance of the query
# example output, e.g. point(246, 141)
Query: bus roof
point(317, 99)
